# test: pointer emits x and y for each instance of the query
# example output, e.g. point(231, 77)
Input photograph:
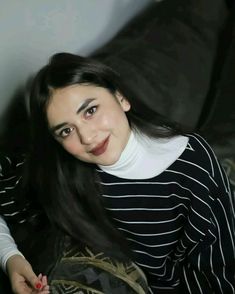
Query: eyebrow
point(81, 108)
point(85, 104)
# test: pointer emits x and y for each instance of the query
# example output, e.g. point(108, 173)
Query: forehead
point(76, 94)
point(70, 98)
point(78, 91)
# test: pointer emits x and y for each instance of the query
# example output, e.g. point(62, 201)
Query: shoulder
point(10, 164)
point(199, 152)
point(11, 169)
point(10, 172)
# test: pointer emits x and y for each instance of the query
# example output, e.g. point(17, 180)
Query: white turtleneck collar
point(145, 157)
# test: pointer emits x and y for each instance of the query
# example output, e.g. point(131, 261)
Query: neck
point(129, 154)
point(145, 157)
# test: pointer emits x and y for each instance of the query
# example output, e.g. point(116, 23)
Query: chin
point(109, 160)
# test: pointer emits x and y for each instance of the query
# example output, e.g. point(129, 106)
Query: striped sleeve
point(10, 177)
point(14, 207)
point(210, 266)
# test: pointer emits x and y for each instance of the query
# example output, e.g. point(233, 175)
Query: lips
point(100, 148)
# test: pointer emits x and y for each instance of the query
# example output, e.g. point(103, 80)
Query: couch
point(179, 56)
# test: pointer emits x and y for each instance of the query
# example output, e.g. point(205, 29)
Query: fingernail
point(38, 286)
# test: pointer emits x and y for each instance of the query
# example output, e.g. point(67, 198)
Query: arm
point(8, 247)
point(23, 279)
point(210, 264)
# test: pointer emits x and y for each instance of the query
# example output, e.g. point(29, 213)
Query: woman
point(120, 178)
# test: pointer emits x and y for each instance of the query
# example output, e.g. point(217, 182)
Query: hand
point(23, 279)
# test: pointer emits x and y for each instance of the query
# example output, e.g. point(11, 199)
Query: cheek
point(102, 123)
point(109, 122)
point(72, 146)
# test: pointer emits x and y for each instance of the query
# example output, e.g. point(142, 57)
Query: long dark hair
point(69, 189)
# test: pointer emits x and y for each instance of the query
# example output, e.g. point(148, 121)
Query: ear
point(125, 104)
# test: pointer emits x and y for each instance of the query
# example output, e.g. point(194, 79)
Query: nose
point(87, 134)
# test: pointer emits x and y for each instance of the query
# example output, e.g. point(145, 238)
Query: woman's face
point(89, 122)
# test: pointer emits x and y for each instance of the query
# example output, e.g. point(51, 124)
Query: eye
point(65, 132)
point(90, 111)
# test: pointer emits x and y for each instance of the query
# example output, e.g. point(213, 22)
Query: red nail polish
point(38, 286)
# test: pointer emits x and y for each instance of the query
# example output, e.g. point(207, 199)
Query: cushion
point(83, 271)
point(219, 126)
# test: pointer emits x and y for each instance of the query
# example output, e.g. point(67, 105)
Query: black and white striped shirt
point(180, 224)
point(11, 207)
point(14, 209)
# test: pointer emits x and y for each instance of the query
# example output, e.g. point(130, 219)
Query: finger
point(43, 291)
point(38, 285)
point(34, 281)
point(21, 288)
point(38, 292)
point(44, 280)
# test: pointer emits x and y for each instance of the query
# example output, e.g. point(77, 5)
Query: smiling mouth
point(100, 148)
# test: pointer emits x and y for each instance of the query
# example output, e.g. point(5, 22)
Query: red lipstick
point(100, 148)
